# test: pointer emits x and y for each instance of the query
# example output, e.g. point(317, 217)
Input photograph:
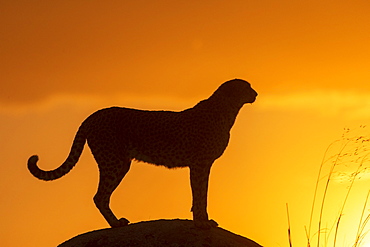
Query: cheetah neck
point(220, 110)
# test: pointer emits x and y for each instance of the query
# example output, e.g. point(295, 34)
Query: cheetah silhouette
point(192, 138)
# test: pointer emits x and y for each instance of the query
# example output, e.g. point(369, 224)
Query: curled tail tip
point(33, 159)
point(31, 164)
point(35, 170)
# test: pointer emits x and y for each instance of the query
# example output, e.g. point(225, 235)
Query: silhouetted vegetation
point(345, 161)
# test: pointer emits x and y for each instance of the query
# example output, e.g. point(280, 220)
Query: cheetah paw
point(205, 224)
point(121, 222)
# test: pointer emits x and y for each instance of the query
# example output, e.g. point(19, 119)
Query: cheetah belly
point(181, 153)
point(169, 156)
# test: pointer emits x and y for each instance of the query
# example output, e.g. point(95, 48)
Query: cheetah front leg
point(199, 176)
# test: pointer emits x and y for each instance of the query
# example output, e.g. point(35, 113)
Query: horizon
point(308, 61)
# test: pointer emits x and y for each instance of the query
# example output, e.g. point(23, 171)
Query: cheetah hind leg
point(109, 180)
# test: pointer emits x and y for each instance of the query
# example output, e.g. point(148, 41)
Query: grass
point(289, 234)
point(348, 159)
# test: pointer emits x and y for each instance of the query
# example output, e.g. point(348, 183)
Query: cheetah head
point(237, 91)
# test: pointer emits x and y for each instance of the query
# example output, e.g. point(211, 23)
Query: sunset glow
point(308, 61)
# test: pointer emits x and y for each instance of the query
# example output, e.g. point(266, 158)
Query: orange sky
point(62, 60)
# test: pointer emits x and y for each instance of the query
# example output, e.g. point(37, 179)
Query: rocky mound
point(159, 233)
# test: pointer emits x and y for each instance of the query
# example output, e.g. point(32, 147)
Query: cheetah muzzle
point(192, 138)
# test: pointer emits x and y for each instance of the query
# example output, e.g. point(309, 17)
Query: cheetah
point(192, 138)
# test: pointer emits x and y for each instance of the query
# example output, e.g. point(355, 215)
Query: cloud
point(353, 105)
point(94, 102)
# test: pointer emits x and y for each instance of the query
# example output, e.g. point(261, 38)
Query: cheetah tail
point(74, 155)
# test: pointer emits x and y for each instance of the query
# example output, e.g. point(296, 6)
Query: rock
point(159, 233)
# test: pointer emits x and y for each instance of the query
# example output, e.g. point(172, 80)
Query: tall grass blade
point(362, 224)
point(289, 233)
point(308, 233)
point(335, 163)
